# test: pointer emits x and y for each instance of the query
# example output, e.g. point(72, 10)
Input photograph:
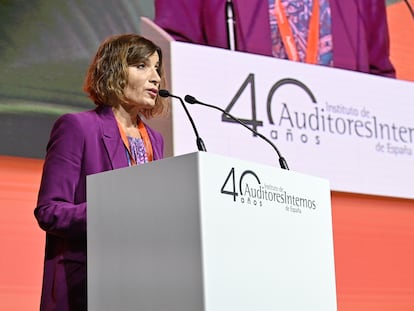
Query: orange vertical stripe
point(21, 240)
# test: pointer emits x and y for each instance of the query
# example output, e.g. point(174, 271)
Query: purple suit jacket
point(359, 29)
point(80, 144)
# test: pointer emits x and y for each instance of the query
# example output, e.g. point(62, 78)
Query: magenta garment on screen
point(359, 29)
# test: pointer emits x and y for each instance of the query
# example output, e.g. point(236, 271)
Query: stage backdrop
point(352, 128)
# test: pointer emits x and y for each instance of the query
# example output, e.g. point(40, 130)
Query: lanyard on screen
point(287, 34)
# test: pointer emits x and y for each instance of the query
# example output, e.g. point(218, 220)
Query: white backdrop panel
point(355, 129)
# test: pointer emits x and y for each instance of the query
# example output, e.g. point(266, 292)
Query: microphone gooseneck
point(282, 162)
point(199, 141)
point(410, 8)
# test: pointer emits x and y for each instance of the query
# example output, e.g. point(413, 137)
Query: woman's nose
point(155, 79)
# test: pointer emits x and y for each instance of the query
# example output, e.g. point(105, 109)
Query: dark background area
point(45, 49)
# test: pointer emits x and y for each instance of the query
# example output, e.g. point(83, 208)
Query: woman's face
point(143, 84)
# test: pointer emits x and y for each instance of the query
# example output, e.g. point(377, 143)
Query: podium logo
point(249, 190)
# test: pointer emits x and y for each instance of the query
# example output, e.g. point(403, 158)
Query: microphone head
point(164, 93)
point(190, 99)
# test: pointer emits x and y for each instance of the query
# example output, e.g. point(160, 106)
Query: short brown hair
point(107, 75)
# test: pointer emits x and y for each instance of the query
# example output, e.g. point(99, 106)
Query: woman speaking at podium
point(123, 82)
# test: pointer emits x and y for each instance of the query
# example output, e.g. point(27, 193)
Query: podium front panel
point(207, 232)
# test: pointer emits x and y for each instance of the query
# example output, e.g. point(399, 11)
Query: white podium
point(207, 232)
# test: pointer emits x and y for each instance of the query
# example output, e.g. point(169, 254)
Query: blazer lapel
point(111, 138)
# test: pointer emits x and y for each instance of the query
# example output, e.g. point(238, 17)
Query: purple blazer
point(359, 29)
point(80, 144)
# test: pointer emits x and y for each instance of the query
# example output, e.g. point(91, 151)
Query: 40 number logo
point(229, 186)
point(249, 84)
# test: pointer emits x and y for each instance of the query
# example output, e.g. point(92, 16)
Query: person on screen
point(351, 34)
point(123, 82)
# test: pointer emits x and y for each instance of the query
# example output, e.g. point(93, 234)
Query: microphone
point(282, 162)
point(231, 26)
point(199, 141)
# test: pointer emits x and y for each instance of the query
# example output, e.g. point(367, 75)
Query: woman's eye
point(140, 66)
